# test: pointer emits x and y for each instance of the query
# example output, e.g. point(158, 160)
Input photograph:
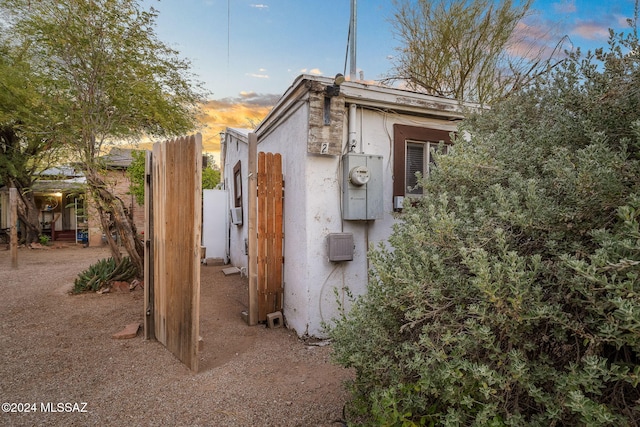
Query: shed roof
point(118, 158)
point(240, 133)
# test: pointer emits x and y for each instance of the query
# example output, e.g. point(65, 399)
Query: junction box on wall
point(362, 187)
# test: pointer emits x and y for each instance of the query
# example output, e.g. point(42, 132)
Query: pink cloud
point(533, 39)
point(591, 30)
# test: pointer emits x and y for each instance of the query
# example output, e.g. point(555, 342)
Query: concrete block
point(231, 270)
point(274, 320)
point(245, 316)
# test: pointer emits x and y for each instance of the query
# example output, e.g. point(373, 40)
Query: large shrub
point(509, 294)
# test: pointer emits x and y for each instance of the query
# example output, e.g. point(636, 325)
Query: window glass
point(415, 163)
point(419, 158)
point(237, 184)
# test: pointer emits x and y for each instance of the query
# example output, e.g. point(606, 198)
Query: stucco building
point(350, 153)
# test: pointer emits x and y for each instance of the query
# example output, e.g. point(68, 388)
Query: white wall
point(290, 140)
point(214, 223)
point(315, 287)
point(236, 149)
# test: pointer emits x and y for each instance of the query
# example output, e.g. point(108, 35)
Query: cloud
point(245, 111)
point(622, 21)
point(260, 6)
point(313, 71)
point(257, 76)
point(566, 6)
point(253, 98)
point(591, 30)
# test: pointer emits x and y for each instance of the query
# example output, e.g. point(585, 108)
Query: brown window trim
point(402, 133)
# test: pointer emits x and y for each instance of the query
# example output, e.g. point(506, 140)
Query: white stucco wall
point(312, 210)
point(214, 223)
point(236, 149)
point(290, 140)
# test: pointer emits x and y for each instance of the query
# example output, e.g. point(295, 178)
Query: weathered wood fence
point(270, 235)
point(172, 248)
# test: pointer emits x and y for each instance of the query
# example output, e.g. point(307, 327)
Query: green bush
point(102, 273)
point(509, 294)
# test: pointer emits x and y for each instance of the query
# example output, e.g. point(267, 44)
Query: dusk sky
point(248, 52)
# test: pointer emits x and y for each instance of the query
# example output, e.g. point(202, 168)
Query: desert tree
point(472, 51)
point(28, 133)
point(114, 80)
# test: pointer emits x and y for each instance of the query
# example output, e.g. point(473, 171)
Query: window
point(419, 158)
point(237, 184)
point(412, 152)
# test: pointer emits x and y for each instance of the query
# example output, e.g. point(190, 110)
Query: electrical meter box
point(361, 187)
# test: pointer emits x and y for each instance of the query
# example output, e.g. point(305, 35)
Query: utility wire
point(346, 54)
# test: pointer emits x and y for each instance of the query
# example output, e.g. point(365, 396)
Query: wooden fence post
point(13, 216)
point(149, 318)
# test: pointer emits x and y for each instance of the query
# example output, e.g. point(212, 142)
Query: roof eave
point(372, 96)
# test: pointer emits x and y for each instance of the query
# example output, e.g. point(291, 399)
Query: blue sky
point(254, 49)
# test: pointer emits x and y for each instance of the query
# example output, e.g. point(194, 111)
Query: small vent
point(340, 246)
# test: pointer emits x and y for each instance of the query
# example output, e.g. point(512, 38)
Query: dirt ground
point(60, 366)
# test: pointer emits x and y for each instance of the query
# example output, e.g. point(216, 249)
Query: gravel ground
point(56, 348)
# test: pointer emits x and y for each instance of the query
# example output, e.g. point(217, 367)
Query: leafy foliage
point(29, 132)
point(210, 174)
point(102, 273)
point(509, 294)
point(136, 171)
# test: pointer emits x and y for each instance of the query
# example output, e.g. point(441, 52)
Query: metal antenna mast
point(352, 41)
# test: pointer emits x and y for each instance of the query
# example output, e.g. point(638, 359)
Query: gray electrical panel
point(362, 187)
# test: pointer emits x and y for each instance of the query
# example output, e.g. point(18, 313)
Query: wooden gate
point(270, 235)
point(172, 247)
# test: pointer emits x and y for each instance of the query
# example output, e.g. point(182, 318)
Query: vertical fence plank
point(262, 238)
point(149, 321)
point(252, 208)
point(278, 260)
point(270, 230)
point(159, 189)
point(13, 230)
